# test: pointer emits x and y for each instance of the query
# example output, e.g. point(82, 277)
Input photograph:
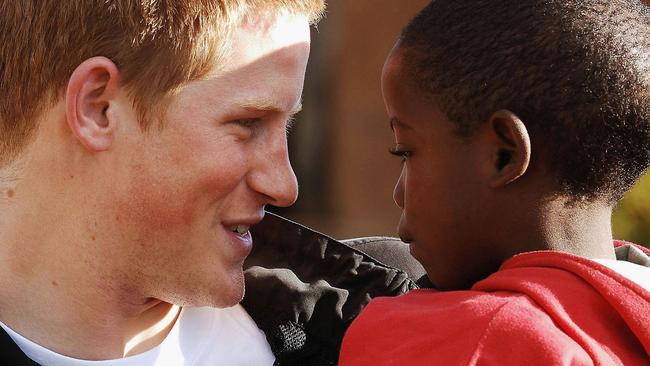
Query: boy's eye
point(400, 152)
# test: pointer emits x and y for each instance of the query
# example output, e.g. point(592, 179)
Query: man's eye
point(247, 122)
point(246, 128)
point(400, 152)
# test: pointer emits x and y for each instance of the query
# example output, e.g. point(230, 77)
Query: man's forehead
point(252, 53)
point(284, 31)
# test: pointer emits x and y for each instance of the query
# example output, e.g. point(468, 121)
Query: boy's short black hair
point(576, 72)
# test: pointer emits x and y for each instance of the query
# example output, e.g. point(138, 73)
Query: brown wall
point(349, 51)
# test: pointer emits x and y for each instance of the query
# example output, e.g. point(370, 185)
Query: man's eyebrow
point(394, 122)
point(269, 106)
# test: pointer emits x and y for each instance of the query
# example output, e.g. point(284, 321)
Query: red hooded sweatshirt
point(540, 308)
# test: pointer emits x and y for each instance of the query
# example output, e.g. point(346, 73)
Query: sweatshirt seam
point(488, 328)
point(618, 278)
point(524, 261)
point(561, 324)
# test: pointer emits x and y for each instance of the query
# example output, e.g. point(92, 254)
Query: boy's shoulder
point(532, 310)
point(455, 327)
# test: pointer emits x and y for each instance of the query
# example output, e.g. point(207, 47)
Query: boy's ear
point(91, 91)
point(509, 148)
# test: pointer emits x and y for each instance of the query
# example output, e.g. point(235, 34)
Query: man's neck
point(84, 330)
point(71, 296)
point(63, 282)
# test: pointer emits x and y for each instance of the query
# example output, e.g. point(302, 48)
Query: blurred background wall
point(339, 144)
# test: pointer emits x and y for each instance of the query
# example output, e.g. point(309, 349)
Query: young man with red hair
point(139, 141)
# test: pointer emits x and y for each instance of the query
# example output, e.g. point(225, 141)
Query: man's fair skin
point(103, 226)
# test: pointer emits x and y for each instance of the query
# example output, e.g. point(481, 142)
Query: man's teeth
point(240, 229)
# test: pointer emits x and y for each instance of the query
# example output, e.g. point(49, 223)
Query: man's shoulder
point(304, 288)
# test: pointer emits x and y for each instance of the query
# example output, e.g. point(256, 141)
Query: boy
point(520, 125)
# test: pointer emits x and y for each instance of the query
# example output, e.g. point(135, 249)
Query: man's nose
point(398, 191)
point(273, 176)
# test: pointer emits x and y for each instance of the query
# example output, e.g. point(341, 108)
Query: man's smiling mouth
point(239, 229)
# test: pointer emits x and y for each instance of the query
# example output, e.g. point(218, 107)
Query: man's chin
point(217, 293)
point(230, 293)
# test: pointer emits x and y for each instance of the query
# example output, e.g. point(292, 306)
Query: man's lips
point(242, 225)
point(240, 240)
point(239, 229)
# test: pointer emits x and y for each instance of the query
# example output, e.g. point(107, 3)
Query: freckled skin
point(172, 189)
point(129, 222)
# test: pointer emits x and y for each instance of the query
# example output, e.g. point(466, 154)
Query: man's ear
point(91, 90)
point(509, 145)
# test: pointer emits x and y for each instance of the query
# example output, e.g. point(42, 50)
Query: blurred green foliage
point(631, 220)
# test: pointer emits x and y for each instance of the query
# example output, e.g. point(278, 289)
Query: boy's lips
point(405, 238)
point(403, 232)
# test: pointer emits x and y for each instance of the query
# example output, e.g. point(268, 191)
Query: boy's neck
point(580, 229)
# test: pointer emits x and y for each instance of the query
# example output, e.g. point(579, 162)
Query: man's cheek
point(155, 205)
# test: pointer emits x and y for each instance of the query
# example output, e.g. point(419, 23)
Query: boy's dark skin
point(523, 154)
point(520, 124)
point(485, 210)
